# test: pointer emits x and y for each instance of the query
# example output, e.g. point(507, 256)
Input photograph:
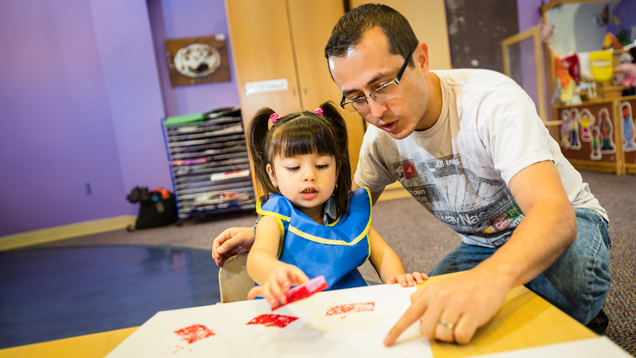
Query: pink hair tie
point(319, 111)
point(274, 117)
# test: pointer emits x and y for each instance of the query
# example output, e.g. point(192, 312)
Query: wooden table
point(525, 320)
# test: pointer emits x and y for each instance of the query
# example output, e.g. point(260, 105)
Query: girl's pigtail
point(333, 115)
point(257, 135)
point(343, 181)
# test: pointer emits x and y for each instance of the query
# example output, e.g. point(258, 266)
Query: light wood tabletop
point(525, 320)
point(95, 345)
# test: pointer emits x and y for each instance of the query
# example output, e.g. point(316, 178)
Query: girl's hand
point(278, 282)
point(408, 280)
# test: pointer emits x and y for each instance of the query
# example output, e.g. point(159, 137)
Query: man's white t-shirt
point(459, 169)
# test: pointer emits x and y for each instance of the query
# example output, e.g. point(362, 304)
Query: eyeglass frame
point(396, 81)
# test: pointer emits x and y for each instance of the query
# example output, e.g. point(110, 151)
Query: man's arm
point(548, 228)
point(232, 241)
point(469, 301)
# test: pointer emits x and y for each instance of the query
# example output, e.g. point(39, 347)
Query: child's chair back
point(234, 282)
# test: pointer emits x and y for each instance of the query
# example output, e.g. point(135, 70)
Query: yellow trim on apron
point(335, 222)
point(370, 216)
point(313, 238)
point(364, 233)
point(282, 237)
point(269, 213)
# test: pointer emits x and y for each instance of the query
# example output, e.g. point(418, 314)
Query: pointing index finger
point(411, 315)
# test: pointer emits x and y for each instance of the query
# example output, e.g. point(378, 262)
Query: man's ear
point(272, 176)
point(421, 57)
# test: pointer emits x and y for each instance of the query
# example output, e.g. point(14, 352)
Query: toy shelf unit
point(599, 135)
point(209, 164)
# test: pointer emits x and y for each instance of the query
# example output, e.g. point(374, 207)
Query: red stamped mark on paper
point(194, 333)
point(273, 320)
point(350, 308)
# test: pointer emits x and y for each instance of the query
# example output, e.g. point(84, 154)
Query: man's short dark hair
point(352, 26)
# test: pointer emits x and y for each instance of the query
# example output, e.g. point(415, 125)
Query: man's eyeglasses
point(380, 94)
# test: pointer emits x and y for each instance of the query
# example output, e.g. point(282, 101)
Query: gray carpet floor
point(421, 240)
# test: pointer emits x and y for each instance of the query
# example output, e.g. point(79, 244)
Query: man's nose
point(377, 108)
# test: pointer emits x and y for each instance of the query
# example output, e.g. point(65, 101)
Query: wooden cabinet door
point(311, 24)
point(262, 49)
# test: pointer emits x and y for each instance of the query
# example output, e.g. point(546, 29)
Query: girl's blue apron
point(335, 250)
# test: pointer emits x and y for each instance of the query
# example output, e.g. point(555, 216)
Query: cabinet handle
point(294, 91)
point(305, 89)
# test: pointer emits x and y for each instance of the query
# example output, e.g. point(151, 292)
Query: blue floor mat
point(59, 293)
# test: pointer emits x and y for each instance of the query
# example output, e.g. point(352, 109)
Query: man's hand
point(452, 310)
point(233, 241)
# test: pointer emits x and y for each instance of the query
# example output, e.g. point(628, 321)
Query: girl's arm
point(387, 263)
point(273, 276)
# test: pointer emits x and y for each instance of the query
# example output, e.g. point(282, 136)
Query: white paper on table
point(312, 335)
point(586, 348)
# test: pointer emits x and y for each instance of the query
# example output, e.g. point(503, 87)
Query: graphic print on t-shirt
point(409, 170)
point(481, 209)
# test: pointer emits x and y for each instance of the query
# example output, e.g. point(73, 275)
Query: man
point(469, 146)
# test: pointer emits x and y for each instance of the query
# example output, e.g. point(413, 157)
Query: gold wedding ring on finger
point(447, 324)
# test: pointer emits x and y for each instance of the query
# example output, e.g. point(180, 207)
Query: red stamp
point(273, 320)
point(194, 333)
point(350, 308)
point(409, 170)
point(501, 222)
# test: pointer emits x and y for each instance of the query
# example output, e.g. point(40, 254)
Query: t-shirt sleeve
point(372, 171)
point(511, 130)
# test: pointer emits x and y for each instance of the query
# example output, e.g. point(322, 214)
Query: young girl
point(310, 223)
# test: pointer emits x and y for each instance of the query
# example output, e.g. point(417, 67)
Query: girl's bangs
point(301, 138)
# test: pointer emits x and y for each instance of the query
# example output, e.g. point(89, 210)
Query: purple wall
point(123, 35)
point(82, 95)
point(626, 11)
point(57, 133)
point(529, 15)
point(190, 18)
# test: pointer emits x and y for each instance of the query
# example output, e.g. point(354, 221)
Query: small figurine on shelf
point(565, 129)
point(596, 152)
point(587, 120)
point(626, 74)
point(607, 146)
point(564, 90)
point(610, 41)
point(628, 128)
point(574, 130)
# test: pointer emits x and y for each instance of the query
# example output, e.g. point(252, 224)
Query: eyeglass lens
point(381, 94)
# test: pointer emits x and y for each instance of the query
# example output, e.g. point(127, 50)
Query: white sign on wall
point(266, 86)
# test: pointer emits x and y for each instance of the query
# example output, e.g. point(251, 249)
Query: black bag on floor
point(157, 207)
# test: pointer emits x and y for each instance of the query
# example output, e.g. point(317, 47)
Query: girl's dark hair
point(301, 133)
point(351, 28)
